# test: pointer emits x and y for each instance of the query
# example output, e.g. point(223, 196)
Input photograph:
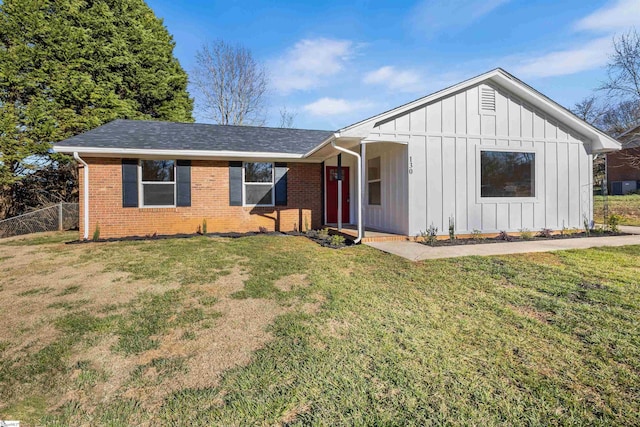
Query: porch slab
point(350, 231)
point(418, 252)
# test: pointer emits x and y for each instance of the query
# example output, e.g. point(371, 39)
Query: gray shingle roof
point(139, 134)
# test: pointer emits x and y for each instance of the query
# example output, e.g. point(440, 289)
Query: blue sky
point(336, 62)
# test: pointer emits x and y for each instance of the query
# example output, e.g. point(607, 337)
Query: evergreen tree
point(67, 66)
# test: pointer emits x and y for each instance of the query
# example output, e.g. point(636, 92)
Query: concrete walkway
point(417, 251)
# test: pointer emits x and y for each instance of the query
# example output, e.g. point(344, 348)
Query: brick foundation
point(209, 201)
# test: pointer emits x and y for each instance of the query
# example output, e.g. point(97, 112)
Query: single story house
point(623, 167)
point(488, 154)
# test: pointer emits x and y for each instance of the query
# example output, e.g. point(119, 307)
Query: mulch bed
point(472, 241)
point(326, 242)
point(178, 236)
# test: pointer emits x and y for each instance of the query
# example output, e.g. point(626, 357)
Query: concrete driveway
point(417, 251)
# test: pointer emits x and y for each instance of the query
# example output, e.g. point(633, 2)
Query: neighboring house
point(489, 154)
point(623, 173)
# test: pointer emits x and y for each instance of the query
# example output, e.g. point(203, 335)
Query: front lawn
point(278, 330)
point(628, 207)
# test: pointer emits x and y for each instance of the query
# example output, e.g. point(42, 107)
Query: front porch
point(350, 231)
point(366, 188)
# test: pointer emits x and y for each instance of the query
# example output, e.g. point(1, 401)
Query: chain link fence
point(62, 216)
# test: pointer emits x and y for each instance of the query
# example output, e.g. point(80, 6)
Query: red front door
point(331, 177)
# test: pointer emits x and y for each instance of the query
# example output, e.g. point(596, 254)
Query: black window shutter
point(235, 183)
point(129, 183)
point(183, 182)
point(281, 184)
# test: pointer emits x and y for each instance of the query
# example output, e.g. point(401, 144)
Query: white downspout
point(86, 194)
point(340, 192)
point(358, 187)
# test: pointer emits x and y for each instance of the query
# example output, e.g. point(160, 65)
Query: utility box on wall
point(619, 188)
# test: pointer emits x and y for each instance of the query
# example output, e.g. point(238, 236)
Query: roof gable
point(501, 80)
point(630, 138)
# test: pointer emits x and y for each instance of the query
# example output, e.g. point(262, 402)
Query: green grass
point(88, 377)
point(628, 207)
point(69, 305)
point(36, 291)
point(69, 290)
point(533, 339)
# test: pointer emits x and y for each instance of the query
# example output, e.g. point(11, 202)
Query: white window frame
point(272, 184)
point(370, 181)
point(141, 185)
point(536, 179)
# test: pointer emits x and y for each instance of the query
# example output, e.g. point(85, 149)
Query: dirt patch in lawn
point(531, 313)
point(287, 283)
point(292, 414)
point(56, 291)
point(115, 367)
point(43, 285)
point(238, 331)
point(226, 285)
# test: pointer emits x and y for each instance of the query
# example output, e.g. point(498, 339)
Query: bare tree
point(610, 117)
point(621, 117)
point(232, 85)
point(287, 117)
point(624, 67)
point(630, 155)
point(623, 86)
point(589, 110)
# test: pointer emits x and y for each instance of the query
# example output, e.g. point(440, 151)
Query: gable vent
point(488, 99)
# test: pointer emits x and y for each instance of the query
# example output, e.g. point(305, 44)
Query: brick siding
point(209, 201)
point(618, 168)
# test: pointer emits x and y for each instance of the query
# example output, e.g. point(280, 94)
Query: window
point(374, 182)
point(258, 184)
point(507, 174)
point(158, 183)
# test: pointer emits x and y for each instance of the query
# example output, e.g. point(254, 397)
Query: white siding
point(392, 214)
point(443, 154)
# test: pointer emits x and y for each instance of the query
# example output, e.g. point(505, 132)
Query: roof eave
point(136, 152)
point(603, 144)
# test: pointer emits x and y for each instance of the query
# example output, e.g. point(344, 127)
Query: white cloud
point(432, 16)
point(615, 16)
point(308, 64)
point(335, 106)
point(564, 62)
point(398, 80)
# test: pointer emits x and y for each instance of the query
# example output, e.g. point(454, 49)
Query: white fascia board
point(380, 139)
point(183, 154)
point(601, 142)
point(327, 142)
point(322, 144)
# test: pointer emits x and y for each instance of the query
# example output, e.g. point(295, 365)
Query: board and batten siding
point(392, 215)
point(445, 139)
